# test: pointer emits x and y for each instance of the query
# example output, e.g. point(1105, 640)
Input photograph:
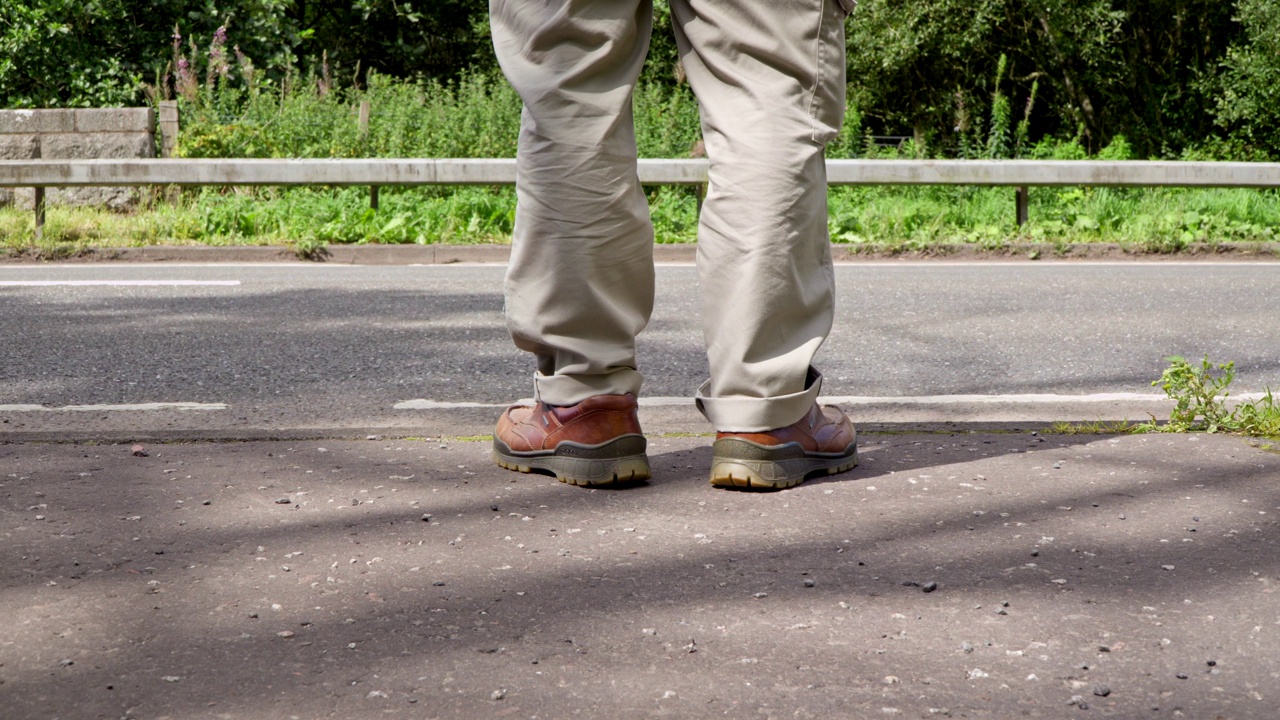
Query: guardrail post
point(373, 196)
point(168, 128)
point(1022, 199)
point(701, 195)
point(39, 212)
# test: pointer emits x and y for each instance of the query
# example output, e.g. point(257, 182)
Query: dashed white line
point(128, 407)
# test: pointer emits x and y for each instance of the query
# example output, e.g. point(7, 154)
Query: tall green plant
point(998, 142)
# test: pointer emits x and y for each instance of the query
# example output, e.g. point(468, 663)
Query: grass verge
point(879, 220)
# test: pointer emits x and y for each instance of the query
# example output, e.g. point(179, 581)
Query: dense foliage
point(958, 77)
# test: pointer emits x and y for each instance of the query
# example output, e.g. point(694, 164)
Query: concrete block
point(37, 121)
point(119, 199)
point(88, 146)
point(6, 197)
point(115, 120)
point(19, 147)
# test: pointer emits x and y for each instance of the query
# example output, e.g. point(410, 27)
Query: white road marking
point(1029, 399)
point(134, 407)
point(116, 283)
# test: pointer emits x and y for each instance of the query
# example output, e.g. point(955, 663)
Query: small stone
point(1212, 663)
point(1075, 700)
point(976, 674)
point(929, 587)
point(375, 694)
point(1101, 690)
point(284, 501)
point(808, 582)
point(760, 595)
point(1104, 648)
point(139, 451)
point(207, 502)
point(1181, 676)
point(66, 663)
point(498, 694)
point(285, 634)
point(649, 631)
point(1083, 705)
point(426, 517)
point(438, 583)
point(171, 678)
point(493, 508)
point(966, 647)
point(1166, 567)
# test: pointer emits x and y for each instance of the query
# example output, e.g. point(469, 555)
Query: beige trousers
point(770, 81)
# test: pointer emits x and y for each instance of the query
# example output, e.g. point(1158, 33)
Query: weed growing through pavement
point(1200, 396)
point(1200, 402)
point(1096, 427)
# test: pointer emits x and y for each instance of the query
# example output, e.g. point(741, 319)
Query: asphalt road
point(325, 349)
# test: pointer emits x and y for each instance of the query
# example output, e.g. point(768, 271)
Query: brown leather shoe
point(822, 441)
point(595, 442)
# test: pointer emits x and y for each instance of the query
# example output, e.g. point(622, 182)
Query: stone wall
point(77, 134)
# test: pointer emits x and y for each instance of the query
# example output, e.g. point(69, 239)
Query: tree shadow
point(379, 593)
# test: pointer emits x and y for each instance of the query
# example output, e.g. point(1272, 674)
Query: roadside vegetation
point(1201, 394)
point(260, 81)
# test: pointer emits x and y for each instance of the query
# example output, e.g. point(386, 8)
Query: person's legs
point(580, 284)
point(770, 81)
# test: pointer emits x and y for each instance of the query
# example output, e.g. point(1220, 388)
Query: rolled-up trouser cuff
point(566, 390)
point(744, 414)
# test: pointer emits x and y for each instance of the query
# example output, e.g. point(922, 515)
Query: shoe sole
point(616, 461)
point(744, 464)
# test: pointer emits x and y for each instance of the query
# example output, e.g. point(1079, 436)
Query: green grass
point(1149, 220)
point(871, 219)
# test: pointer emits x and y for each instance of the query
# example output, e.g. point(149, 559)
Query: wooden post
point(1022, 200)
point(364, 119)
point(363, 122)
point(168, 128)
point(39, 212)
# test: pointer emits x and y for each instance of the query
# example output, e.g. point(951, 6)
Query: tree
point(1249, 104)
point(57, 53)
point(1137, 68)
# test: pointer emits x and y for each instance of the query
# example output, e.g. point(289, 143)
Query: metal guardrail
point(376, 172)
